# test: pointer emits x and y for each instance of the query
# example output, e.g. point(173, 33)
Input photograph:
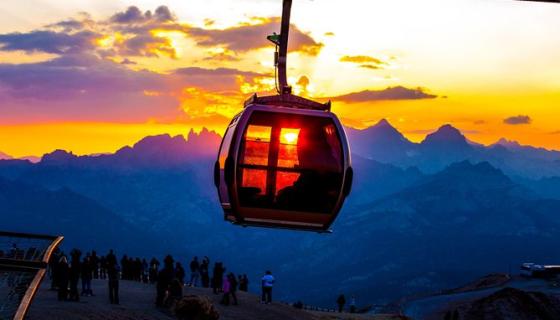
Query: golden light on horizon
point(485, 60)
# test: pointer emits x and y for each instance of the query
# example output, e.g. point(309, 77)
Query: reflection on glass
point(290, 162)
point(257, 144)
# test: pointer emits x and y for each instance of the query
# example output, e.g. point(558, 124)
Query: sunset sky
point(91, 76)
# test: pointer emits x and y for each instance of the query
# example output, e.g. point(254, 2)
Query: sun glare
point(289, 136)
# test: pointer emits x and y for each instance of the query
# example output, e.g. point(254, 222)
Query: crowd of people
point(169, 280)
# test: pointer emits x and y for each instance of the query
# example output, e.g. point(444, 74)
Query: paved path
point(137, 303)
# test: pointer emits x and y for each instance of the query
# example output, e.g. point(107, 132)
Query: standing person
point(195, 272)
point(353, 304)
point(53, 267)
point(164, 279)
point(154, 267)
point(145, 270)
point(341, 301)
point(180, 273)
point(217, 277)
point(204, 276)
point(62, 277)
point(94, 264)
point(113, 273)
point(102, 266)
point(87, 274)
point(75, 272)
point(267, 283)
point(226, 290)
point(233, 287)
point(243, 283)
point(124, 267)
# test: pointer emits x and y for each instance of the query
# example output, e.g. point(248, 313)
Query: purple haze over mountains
point(438, 206)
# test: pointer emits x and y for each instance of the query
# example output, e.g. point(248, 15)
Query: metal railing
point(23, 262)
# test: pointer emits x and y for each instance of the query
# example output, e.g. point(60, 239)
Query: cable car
point(284, 161)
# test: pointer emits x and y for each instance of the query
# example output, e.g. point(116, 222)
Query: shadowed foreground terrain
point(137, 302)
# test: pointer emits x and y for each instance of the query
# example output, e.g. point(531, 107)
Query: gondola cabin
point(284, 162)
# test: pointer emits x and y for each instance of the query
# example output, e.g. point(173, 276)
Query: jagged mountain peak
point(58, 156)
point(508, 143)
point(446, 134)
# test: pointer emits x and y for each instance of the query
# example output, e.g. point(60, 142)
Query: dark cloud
point(70, 25)
point(83, 87)
point(48, 41)
point(163, 13)
point(249, 37)
point(127, 61)
point(133, 15)
point(390, 93)
point(147, 45)
point(74, 75)
point(86, 87)
point(518, 120)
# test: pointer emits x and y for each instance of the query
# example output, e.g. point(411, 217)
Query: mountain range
point(382, 142)
point(421, 216)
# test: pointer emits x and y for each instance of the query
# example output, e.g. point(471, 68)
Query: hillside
point(83, 222)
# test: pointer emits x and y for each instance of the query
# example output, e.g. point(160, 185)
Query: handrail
point(30, 265)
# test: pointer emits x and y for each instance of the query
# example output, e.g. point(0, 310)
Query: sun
point(289, 136)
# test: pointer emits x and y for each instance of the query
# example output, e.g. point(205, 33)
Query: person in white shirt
point(267, 283)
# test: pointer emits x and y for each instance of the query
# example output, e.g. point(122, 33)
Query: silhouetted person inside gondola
point(315, 190)
point(341, 301)
point(63, 278)
point(75, 272)
point(113, 273)
point(164, 279)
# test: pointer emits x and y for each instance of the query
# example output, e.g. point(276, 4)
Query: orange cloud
point(389, 93)
point(366, 62)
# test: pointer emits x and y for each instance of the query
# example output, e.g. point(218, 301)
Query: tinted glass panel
point(290, 162)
